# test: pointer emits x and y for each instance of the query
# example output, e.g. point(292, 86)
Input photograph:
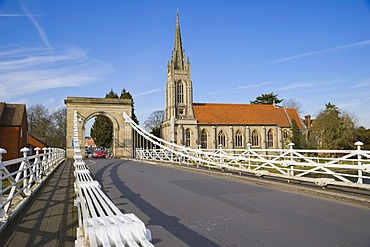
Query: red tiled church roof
point(248, 114)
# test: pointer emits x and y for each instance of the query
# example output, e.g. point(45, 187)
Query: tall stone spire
point(178, 56)
point(179, 113)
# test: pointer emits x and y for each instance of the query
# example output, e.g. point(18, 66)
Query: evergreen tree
point(127, 95)
point(102, 132)
point(111, 95)
point(334, 129)
point(297, 136)
point(363, 135)
point(102, 129)
point(267, 99)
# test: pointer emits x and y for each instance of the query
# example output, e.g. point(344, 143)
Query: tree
point(111, 95)
point(39, 122)
point(267, 99)
point(292, 103)
point(59, 128)
point(127, 95)
point(102, 129)
point(334, 129)
point(48, 127)
point(297, 137)
point(102, 132)
point(154, 122)
point(363, 135)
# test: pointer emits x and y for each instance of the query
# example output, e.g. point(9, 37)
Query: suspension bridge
point(217, 197)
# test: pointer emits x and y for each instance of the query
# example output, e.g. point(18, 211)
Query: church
point(219, 125)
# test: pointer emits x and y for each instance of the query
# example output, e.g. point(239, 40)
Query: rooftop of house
point(251, 114)
point(11, 114)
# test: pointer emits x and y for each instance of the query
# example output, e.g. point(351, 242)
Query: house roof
point(36, 142)
point(248, 114)
point(11, 114)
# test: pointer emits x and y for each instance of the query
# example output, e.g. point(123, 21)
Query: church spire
point(178, 56)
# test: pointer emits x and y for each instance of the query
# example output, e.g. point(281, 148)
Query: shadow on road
point(157, 217)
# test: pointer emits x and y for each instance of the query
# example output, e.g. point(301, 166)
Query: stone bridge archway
point(113, 109)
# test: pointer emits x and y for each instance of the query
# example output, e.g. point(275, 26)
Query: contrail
point(12, 15)
point(39, 29)
point(338, 48)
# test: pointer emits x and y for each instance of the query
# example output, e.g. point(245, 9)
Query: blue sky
point(314, 52)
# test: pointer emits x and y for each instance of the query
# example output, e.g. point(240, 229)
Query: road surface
point(187, 208)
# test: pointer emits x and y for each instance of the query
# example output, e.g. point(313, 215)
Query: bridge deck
point(49, 218)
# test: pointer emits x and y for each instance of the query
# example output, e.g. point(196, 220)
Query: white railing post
point(359, 163)
point(26, 165)
point(2, 210)
point(291, 166)
point(37, 164)
point(44, 163)
point(50, 160)
point(199, 155)
point(249, 155)
point(220, 148)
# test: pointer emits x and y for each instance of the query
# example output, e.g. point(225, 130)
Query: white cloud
point(12, 15)
point(25, 71)
point(366, 83)
point(333, 49)
point(297, 85)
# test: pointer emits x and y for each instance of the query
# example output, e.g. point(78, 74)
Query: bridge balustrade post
point(199, 155)
point(54, 157)
point(220, 148)
point(37, 164)
point(291, 166)
point(50, 161)
point(2, 210)
point(26, 165)
point(249, 155)
point(44, 163)
point(359, 163)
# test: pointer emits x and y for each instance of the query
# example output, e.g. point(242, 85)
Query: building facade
point(13, 129)
point(215, 125)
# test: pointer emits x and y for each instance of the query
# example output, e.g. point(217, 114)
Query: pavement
point(49, 218)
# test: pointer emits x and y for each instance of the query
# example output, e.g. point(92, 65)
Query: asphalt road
point(187, 208)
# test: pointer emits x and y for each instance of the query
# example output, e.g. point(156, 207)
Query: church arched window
point(187, 137)
point(221, 140)
point(203, 139)
point(270, 138)
point(255, 139)
point(238, 139)
point(179, 92)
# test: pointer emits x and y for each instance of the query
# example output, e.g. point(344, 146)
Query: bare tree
point(154, 122)
point(39, 122)
point(293, 103)
point(59, 128)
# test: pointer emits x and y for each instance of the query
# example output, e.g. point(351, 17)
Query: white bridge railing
point(349, 168)
point(101, 223)
point(20, 178)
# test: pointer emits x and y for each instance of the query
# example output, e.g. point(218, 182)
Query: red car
point(99, 154)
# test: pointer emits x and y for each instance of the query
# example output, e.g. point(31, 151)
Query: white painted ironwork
point(19, 178)
point(101, 223)
point(349, 168)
